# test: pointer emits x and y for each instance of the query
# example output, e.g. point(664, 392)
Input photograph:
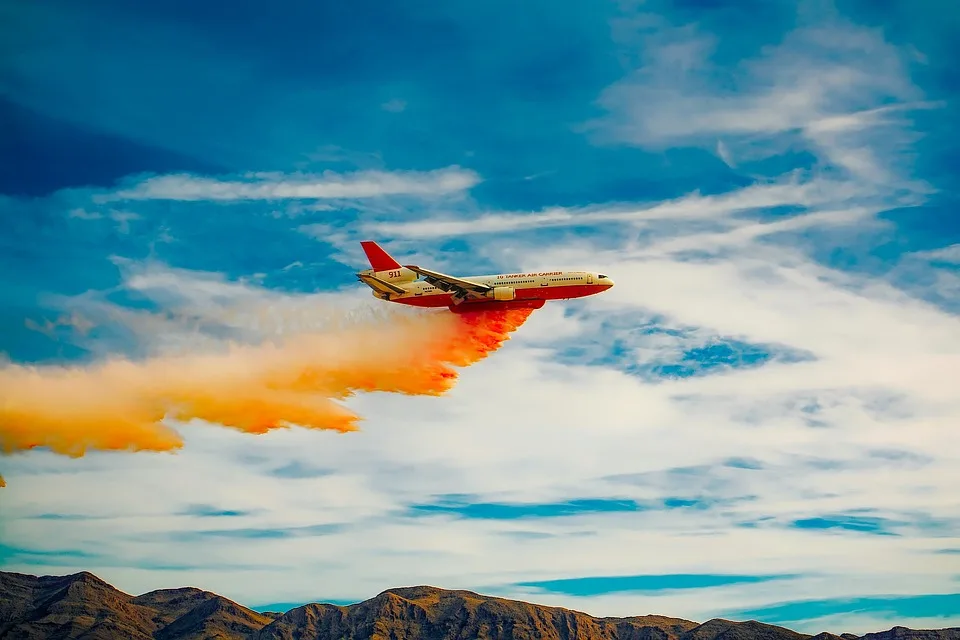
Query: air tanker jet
point(394, 282)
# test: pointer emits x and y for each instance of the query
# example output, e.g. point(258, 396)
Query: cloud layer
point(757, 421)
point(327, 186)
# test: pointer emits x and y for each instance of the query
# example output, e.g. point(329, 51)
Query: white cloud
point(949, 254)
point(195, 310)
point(523, 427)
point(277, 186)
point(121, 218)
point(838, 89)
point(693, 207)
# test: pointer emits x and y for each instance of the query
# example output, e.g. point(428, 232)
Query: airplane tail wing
point(386, 273)
point(379, 259)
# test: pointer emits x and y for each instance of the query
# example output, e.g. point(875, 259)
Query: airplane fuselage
point(401, 284)
point(511, 290)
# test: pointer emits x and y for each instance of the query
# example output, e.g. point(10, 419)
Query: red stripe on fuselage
point(564, 292)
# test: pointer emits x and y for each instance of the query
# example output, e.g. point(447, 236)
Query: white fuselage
point(531, 286)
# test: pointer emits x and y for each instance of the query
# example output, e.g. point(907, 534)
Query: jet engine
point(504, 293)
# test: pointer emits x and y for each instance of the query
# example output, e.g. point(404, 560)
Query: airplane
point(398, 283)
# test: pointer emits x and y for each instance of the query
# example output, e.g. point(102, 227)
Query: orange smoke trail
point(118, 404)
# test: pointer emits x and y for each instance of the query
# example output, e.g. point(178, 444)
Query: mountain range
point(82, 606)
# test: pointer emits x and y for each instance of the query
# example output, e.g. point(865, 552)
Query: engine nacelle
point(504, 293)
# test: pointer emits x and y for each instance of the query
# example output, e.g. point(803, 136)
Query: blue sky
point(758, 421)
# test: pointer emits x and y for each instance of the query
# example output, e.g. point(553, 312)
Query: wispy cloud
point(791, 191)
point(63, 516)
point(945, 255)
point(280, 186)
point(296, 469)
point(178, 310)
point(121, 218)
point(252, 533)
point(833, 87)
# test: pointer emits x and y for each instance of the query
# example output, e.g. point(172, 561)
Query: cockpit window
point(600, 275)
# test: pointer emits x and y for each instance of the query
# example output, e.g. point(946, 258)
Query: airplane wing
point(460, 288)
point(381, 286)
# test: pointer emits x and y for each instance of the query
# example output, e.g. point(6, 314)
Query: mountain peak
point(420, 592)
point(83, 605)
point(82, 577)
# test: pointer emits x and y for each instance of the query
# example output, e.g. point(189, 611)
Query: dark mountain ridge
point(82, 606)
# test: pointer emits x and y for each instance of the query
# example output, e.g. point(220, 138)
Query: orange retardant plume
point(119, 404)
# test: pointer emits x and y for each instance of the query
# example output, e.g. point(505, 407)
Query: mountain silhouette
point(82, 606)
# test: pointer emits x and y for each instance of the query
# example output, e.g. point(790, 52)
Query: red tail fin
point(379, 259)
